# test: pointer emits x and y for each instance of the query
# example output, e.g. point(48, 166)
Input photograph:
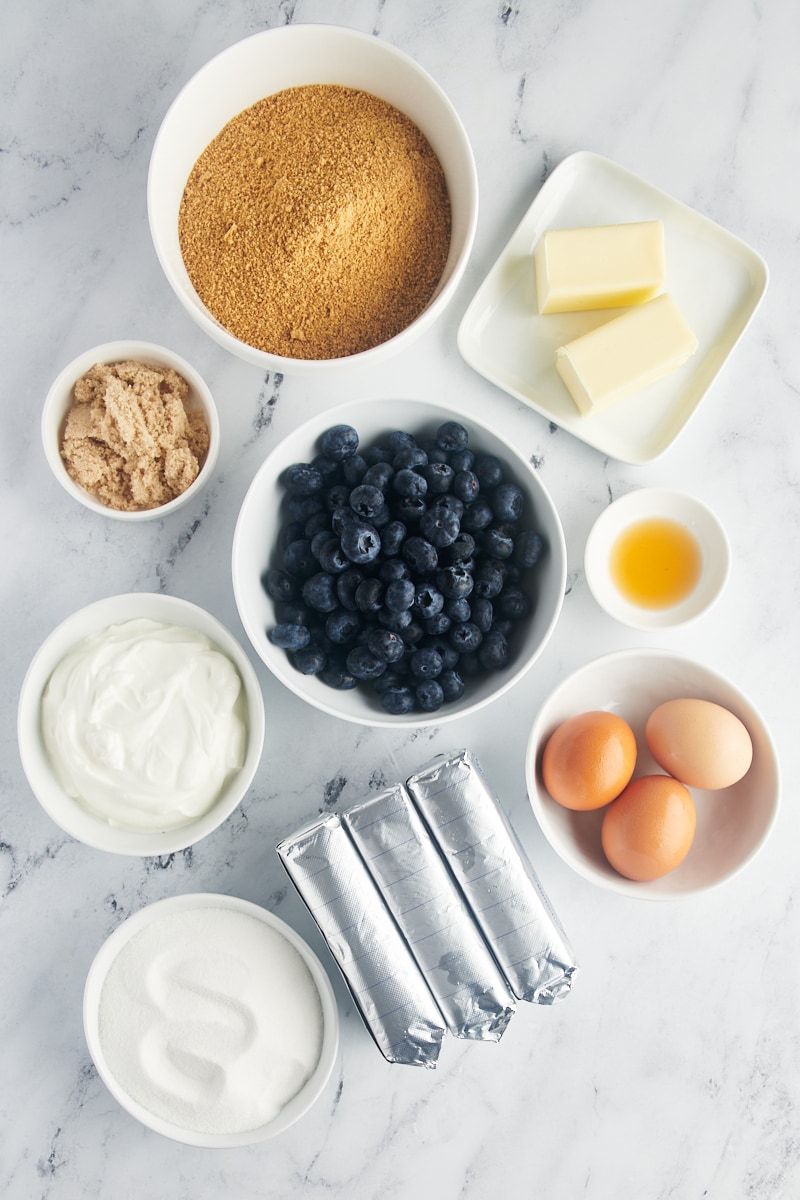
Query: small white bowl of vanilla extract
point(656, 559)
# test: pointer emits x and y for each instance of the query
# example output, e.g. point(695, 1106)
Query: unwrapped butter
point(599, 266)
point(625, 354)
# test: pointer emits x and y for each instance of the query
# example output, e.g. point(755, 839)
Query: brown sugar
point(317, 223)
point(129, 438)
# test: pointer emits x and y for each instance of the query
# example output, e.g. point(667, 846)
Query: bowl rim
point(431, 411)
point(58, 402)
point(121, 935)
point(688, 510)
point(610, 881)
point(67, 813)
point(184, 290)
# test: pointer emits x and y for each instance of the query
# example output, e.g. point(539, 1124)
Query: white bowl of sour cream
point(140, 724)
point(210, 1020)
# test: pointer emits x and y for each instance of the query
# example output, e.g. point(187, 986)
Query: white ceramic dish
point(296, 1107)
point(292, 56)
point(60, 399)
point(260, 520)
point(67, 813)
point(732, 824)
point(639, 505)
point(717, 280)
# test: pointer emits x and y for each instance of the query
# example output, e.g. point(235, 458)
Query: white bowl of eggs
point(652, 775)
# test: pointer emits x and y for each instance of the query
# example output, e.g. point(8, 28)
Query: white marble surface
point(674, 1068)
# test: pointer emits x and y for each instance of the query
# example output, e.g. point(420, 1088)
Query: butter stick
point(625, 354)
point(599, 266)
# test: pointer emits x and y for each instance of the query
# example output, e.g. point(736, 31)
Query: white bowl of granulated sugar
point(352, 233)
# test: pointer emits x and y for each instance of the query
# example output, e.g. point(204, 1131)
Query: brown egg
point(648, 830)
point(699, 742)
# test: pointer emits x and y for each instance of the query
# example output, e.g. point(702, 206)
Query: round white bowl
point(640, 505)
point(260, 522)
point(294, 56)
point(297, 1107)
point(60, 399)
point(732, 824)
point(68, 813)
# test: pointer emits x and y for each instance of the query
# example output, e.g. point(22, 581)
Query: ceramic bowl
point(60, 399)
point(689, 513)
point(261, 520)
point(293, 56)
point(149, 917)
point(69, 813)
point(732, 824)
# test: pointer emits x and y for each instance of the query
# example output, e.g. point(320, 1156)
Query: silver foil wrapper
point(377, 965)
point(419, 891)
point(495, 876)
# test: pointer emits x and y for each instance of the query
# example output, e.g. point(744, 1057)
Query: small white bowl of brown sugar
point(130, 430)
point(312, 198)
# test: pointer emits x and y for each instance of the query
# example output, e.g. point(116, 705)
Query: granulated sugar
point(317, 223)
point(211, 1020)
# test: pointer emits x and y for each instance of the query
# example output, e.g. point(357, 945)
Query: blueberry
point(397, 700)
point(369, 595)
point(448, 653)
point(342, 625)
point(378, 454)
point(361, 542)
point(496, 543)
point(420, 555)
point(320, 538)
point(382, 518)
point(508, 502)
point(439, 477)
point(450, 502)
point(409, 483)
point(513, 603)
point(302, 479)
point(466, 637)
point(379, 475)
point(410, 458)
point(279, 585)
point(409, 509)
point(482, 613)
point(429, 695)
point(489, 470)
point(336, 497)
point(319, 592)
point(289, 637)
point(339, 442)
point(462, 460)
point(452, 436)
point(426, 663)
point(329, 469)
point(392, 537)
point(309, 661)
point(294, 613)
point(477, 515)
point(493, 653)
point(454, 581)
point(413, 633)
point(346, 585)
point(452, 685)
point(488, 581)
point(528, 547)
point(300, 508)
point(392, 569)
point(398, 622)
point(428, 601)
point(399, 595)
point(354, 469)
point(458, 608)
point(363, 664)
point(466, 486)
point(437, 625)
point(459, 551)
point(332, 558)
point(298, 559)
point(441, 527)
point(366, 500)
point(336, 675)
point(400, 440)
point(386, 645)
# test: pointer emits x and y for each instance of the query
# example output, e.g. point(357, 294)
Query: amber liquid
point(656, 563)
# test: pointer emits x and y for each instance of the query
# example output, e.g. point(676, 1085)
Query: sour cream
point(144, 723)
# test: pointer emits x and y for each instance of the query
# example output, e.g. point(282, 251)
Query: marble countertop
point(673, 1070)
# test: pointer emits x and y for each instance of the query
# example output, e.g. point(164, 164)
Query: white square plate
point(717, 280)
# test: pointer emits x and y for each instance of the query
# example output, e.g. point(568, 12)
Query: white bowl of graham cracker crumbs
point(312, 198)
point(130, 430)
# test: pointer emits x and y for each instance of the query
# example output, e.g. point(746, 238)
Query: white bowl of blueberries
point(395, 563)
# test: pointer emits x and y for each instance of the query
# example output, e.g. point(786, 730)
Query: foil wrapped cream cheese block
point(380, 971)
point(495, 876)
point(601, 266)
point(421, 895)
point(625, 354)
